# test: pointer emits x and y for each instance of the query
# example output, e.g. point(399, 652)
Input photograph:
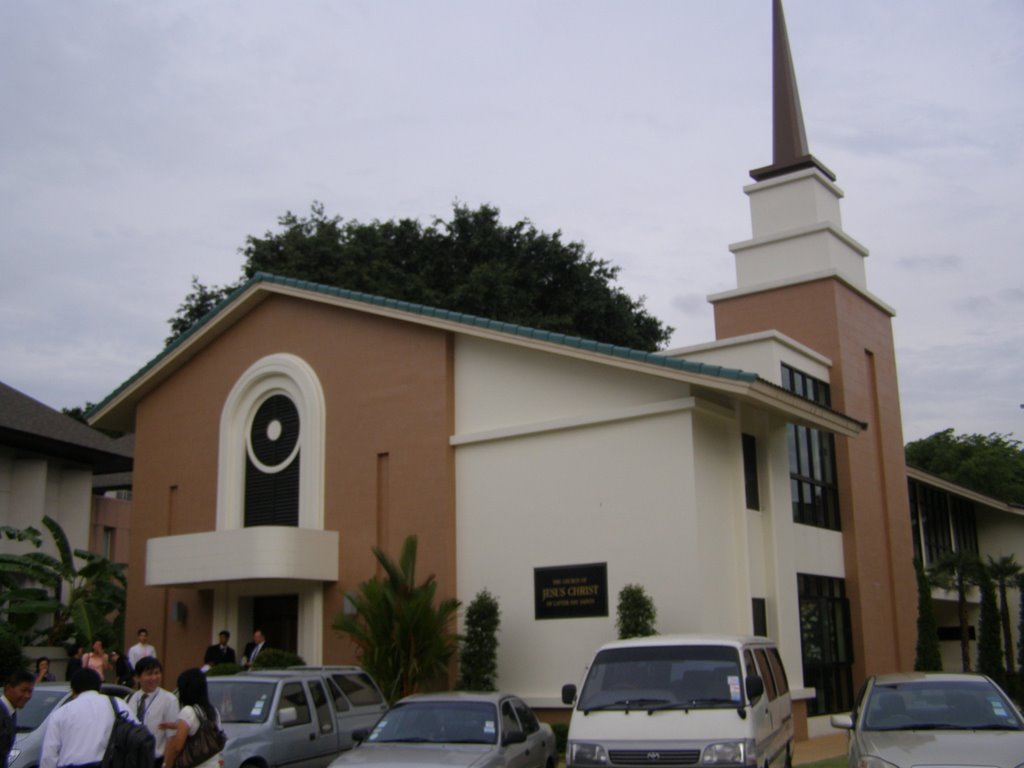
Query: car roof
point(735, 641)
point(920, 677)
point(487, 697)
point(266, 675)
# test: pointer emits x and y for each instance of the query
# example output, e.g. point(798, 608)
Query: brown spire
point(789, 150)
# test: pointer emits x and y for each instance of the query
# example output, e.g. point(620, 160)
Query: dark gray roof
point(30, 426)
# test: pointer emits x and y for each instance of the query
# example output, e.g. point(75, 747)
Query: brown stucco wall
point(388, 391)
point(856, 334)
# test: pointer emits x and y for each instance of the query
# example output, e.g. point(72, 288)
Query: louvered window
point(272, 464)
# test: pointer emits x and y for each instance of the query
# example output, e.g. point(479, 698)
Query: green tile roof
point(461, 318)
point(503, 327)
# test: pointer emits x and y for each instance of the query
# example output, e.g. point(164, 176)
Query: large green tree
point(992, 464)
point(403, 639)
point(471, 263)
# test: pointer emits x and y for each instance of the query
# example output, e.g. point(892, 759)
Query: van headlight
point(726, 753)
point(581, 753)
point(13, 756)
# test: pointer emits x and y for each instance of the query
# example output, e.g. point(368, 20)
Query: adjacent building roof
point(117, 410)
point(27, 425)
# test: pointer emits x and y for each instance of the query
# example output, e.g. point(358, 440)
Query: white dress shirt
point(160, 707)
point(138, 652)
point(77, 733)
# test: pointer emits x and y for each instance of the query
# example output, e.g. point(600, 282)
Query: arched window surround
point(286, 374)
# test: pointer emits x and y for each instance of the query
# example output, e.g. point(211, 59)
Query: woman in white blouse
point(195, 704)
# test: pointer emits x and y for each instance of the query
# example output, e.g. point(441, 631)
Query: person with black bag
point(197, 740)
point(77, 734)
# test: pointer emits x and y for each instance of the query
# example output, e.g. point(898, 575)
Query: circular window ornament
point(272, 440)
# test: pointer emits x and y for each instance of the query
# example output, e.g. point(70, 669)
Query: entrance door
point(278, 617)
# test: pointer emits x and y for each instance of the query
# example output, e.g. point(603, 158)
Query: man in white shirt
point(77, 733)
point(141, 649)
point(152, 705)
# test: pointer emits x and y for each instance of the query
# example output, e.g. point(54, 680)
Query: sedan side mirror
point(755, 687)
point(359, 735)
point(513, 737)
point(569, 694)
point(842, 721)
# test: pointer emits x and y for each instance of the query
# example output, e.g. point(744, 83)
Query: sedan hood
point(419, 755)
point(950, 748)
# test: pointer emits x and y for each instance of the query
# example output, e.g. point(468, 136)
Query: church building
point(753, 484)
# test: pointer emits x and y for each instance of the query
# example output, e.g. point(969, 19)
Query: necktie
point(141, 711)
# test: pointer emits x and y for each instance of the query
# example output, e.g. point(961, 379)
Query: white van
point(673, 700)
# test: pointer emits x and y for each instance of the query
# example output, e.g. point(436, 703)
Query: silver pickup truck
point(301, 718)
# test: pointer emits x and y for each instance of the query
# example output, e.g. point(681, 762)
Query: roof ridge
point(462, 318)
point(554, 337)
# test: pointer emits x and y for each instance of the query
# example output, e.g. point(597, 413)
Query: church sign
point(570, 591)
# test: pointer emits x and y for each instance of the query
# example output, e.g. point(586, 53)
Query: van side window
point(778, 671)
point(323, 709)
point(340, 702)
point(748, 663)
point(766, 674)
point(358, 687)
point(293, 696)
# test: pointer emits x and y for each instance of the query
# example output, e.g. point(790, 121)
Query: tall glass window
point(812, 460)
point(941, 522)
point(826, 643)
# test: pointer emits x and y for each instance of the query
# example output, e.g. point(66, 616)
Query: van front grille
point(654, 757)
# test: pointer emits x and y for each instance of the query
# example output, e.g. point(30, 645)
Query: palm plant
point(1005, 572)
point(403, 640)
point(958, 571)
point(32, 585)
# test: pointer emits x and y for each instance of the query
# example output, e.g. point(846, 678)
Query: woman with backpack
point(197, 739)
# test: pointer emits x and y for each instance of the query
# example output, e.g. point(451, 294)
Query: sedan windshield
point(438, 722)
point(655, 678)
point(939, 705)
point(241, 702)
point(43, 700)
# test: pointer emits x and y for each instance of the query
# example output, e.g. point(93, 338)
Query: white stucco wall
point(563, 463)
point(760, 353)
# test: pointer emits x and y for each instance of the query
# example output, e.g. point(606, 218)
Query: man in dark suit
point(17, 692)
point(220, 653)
point(253, 649)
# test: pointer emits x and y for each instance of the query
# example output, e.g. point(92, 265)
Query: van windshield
point(663, 677)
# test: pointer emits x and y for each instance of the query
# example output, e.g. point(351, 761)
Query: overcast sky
point(141, 142)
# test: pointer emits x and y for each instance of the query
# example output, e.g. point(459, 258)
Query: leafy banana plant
point(49, 600)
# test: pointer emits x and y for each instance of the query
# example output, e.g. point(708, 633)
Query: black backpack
point(130, 745)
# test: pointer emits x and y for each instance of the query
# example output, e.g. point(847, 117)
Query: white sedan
point(933, 719)
point(471, 730)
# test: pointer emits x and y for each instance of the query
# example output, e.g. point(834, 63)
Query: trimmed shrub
point(275, 658)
